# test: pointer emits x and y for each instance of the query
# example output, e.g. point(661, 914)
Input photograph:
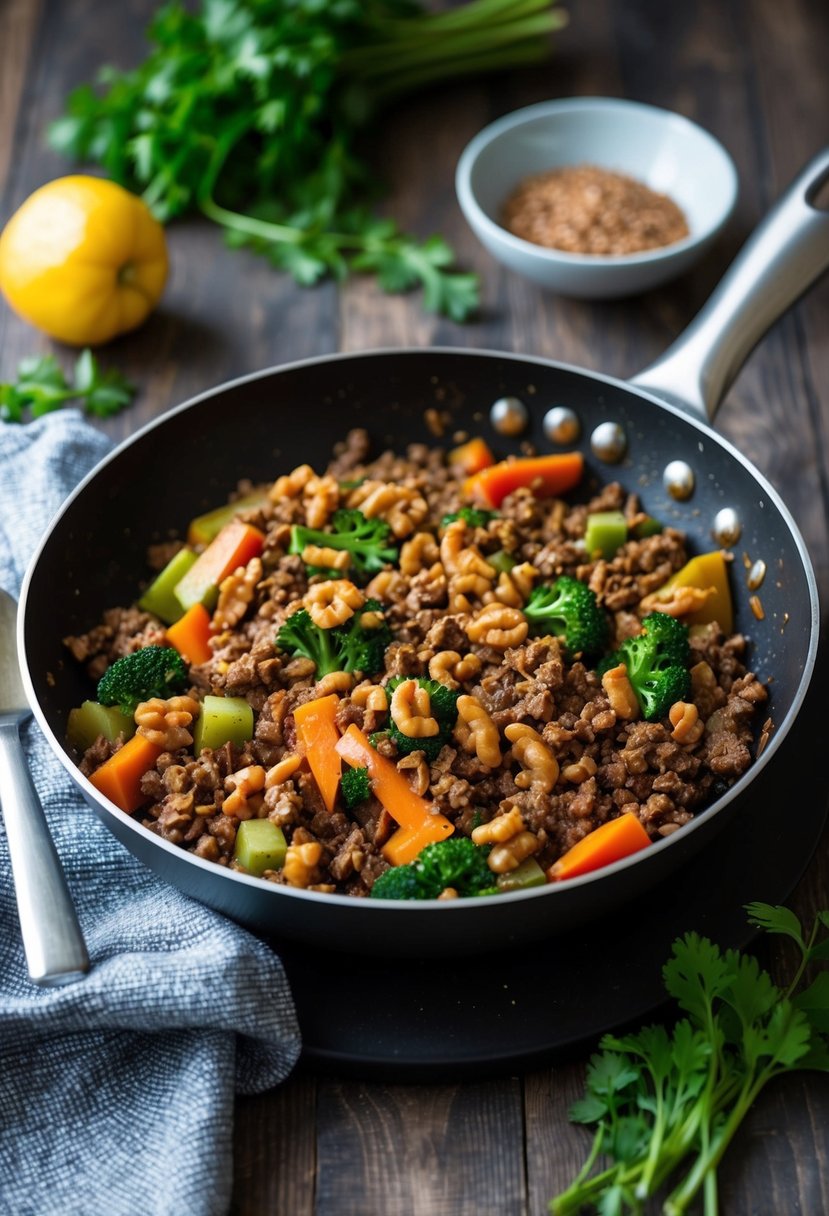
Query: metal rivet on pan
point(509, 416)
point(727, 528)
point(678, 480)
point(561, 424)
point(608, 442)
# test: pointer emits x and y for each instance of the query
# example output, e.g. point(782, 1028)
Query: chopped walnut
point(245, 797)
point(165, 723)
point(402, 507)
point(301, 868)
point(236, 594)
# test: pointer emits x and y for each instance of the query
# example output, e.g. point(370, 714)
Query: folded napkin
point(116, 1093)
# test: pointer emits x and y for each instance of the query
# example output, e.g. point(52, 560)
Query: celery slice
point(528, 874)
point(260, 845)
point(606, 532)
point(159, 597)
point(92, 719)
point(205, 528)
point(223, 720)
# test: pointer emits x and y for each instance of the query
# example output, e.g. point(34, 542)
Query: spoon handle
point(52, 938)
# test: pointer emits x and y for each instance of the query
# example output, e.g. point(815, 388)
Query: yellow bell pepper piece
point(708, 572)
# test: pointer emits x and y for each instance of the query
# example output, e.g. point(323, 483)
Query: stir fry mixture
point(421, 676)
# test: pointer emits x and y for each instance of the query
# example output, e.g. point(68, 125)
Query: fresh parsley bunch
point(251, 111)
point(42, 387)
point(667, 1104)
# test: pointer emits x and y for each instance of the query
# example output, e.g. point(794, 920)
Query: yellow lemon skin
point(83, 260)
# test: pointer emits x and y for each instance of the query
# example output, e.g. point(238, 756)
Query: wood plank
point(420, 1150)
point(18, 23)
point(274, 1155)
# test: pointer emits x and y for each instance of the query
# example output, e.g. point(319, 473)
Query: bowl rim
point(480, 220)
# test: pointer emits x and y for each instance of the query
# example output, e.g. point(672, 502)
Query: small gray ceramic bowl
point(663, 150)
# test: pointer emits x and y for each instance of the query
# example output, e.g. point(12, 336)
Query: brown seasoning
point(585, 209)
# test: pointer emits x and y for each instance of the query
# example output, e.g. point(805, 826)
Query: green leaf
point(40, 371)
point(776, 919)
point(782, 1041)
point(11, 404)
point(42, 387)
point(814, 1002)
point(86, 371)
point(609, 1073)
point(751, 992)
point(695, 975)
point(589, 1109)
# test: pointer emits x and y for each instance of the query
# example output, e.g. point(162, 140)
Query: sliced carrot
point(316, 728)
point(544, 475)
point(407, 843)
point(235, 545)
point(614, 840)
point(419, 821)
point(119, 778)
point(191, 633)
point(472, 456)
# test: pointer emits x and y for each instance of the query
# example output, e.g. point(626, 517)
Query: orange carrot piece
point(407, 843)
point(119, 778)
point(614, 840)
point(190, 635)
point(472, 456)
point(546, 476)
point(419, 822)
point(316, 728)
point(235, 545)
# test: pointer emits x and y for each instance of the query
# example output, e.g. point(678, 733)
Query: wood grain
point(18, 22)
point(427, 1150)
point(754, 73)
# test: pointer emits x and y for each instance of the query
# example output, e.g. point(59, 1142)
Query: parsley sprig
point(42, 387)
point(666, 1105)
point(252, 111)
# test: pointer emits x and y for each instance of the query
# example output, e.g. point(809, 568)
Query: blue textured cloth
point(116, 1093)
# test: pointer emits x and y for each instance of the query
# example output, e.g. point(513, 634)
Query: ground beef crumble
point(630, 765)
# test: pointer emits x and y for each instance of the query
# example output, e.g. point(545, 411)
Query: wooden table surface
point(754, 73)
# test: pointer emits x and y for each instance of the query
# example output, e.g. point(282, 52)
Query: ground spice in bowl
point(586, 209)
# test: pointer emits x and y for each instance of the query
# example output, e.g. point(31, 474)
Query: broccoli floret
point(399, 882)
point(443, 704)
point(153, 671)
point(365, 540)
point(657, 664)
point(455, 862)
point(355, 786)
point(348, 647)
point(476, 517)
point(569, 610)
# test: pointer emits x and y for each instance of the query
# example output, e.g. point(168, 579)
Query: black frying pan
point(265, 424)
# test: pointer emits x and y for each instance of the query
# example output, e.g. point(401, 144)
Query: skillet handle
point(779, 261)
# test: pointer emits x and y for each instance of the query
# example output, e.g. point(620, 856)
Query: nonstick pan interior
point(191, 459)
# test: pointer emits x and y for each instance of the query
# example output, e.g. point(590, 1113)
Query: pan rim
point(644, 858)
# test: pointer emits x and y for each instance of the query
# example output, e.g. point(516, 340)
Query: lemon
point(83, 260)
